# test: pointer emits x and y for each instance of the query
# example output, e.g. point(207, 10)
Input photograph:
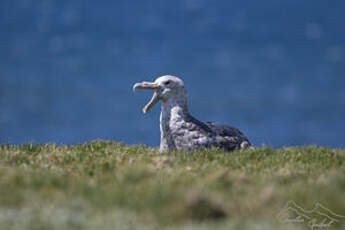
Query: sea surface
point(274, 69)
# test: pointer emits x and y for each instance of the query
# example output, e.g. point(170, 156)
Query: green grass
point(106, 185)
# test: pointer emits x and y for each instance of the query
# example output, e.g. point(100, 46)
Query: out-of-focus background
point(274, 69)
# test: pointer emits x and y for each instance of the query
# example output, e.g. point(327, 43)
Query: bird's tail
point(245, 144)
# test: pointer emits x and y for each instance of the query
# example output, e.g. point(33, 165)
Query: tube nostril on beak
point(151, 86)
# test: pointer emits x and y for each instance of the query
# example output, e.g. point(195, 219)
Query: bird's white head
point(165, 88)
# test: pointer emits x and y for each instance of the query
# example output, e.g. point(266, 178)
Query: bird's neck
point(174, 114)
point(175, 108)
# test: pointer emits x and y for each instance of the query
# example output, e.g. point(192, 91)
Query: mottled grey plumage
point(179, 130)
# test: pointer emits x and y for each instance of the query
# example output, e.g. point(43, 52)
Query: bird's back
point(230, 138)
point(222, 136)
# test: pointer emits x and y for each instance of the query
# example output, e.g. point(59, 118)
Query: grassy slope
point(106, 185)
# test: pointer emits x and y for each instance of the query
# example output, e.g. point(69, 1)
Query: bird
point(179, 130)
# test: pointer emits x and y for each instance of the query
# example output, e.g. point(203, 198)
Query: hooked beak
point(151, 86)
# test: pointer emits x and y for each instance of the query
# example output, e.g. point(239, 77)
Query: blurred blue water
point(274, 69)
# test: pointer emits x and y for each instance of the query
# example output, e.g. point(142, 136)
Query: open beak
point(151, 86)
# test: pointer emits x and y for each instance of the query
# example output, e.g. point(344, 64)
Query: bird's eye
point(167, 82)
